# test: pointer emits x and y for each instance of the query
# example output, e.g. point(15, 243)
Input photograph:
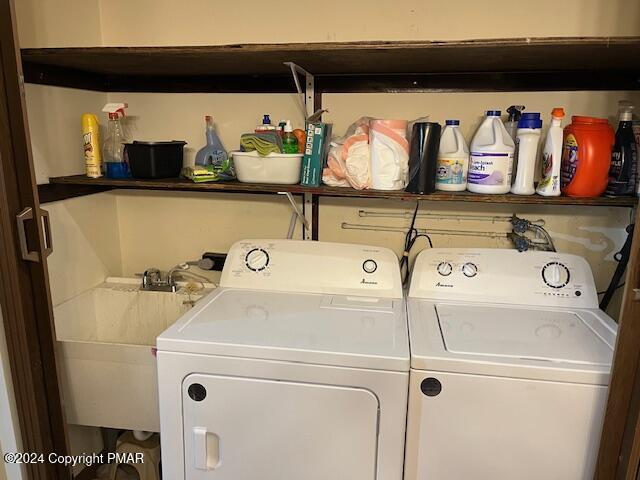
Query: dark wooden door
point(620, 444)
point(24, 285)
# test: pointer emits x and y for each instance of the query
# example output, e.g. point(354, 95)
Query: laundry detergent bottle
point(453, 159)
point(549, 185)
point(624, 168)
point(586, 156)
point(491, 157)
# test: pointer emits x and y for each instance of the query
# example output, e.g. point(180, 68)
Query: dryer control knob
point(469, 269)
point(444, 268)
point(257, 259)
point(370, 266)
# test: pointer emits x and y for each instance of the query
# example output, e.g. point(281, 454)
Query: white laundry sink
point(106, 340)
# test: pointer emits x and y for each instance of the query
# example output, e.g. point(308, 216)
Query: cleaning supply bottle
point(549, 185)
point(491, 157)
point(289, 140)
point(528, 138)
point(624, 157)
point(213, 153)
point(114, 144)
point(586, 156)
point(514, 111)
point(266, 124)
point(91, 141)
point(453, 159)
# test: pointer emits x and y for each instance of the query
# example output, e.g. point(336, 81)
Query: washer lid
point(521, 333)
point(339, 330)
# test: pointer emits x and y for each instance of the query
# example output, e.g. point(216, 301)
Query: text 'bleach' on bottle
point(527, 141)
point(453, 159)
point(114, 151)
point(491, 157)
point(549, 185)
point(624, 157)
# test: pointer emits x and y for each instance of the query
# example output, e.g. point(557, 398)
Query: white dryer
point(510, 362)
point(296, 368)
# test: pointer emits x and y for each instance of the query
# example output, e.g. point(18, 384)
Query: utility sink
point(106, 340)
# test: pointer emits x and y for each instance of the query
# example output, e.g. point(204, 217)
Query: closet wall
point(124, 232)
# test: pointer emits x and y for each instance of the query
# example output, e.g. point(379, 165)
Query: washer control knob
point(469, 269)
point(444, 268)
point(555, 274)
point(370, 266)
point(257, 259)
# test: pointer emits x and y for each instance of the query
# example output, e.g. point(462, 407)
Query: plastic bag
point(349, 160)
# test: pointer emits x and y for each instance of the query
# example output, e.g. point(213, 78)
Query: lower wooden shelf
point(60, 188)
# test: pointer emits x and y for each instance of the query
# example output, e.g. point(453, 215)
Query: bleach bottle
point(491, 157)
point(453, 159)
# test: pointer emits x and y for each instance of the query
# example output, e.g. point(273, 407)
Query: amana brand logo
point(368, 282)
point(444, 285)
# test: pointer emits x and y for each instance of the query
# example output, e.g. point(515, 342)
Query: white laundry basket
point(280, 168)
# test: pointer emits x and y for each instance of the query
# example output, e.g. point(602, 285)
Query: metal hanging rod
point(443, 216)
point(430, 231)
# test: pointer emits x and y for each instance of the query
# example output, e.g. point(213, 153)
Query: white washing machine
point(510, 361)
point(297, 367)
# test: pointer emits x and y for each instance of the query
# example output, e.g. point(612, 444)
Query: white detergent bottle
point(527, 140)
point(453, 159)
point(491, 157)
point(549, 185)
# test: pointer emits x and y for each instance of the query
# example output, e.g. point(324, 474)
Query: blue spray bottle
point(213, 153)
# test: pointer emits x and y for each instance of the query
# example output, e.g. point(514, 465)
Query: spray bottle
point(213, 153)
point(515, 112)
point(549, 185)
point(114, 148)
point(624, 157)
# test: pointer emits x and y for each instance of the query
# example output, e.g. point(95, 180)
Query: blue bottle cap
point(493, 113)
point(266, 120)
point(530, 120)
point(452, 122)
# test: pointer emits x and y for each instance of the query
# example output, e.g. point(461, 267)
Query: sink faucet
point(152, 281)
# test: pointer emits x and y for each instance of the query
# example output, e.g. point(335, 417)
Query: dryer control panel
point(312, 267)
point(504, 276)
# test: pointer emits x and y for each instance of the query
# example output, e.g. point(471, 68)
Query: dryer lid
point(338, 330)
point(521, 333)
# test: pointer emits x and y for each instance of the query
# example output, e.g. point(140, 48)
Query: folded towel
point(263, 143)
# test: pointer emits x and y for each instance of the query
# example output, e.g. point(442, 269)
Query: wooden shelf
point(71, 186)
point(499, 64)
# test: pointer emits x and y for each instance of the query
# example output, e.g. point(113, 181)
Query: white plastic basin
point(106, 339)
point(280, 168)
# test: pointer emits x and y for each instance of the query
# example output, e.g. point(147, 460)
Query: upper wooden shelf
point(595, 62)
point(66, 187)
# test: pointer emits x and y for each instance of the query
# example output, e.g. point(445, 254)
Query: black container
point(423, 157)
point(155, 159)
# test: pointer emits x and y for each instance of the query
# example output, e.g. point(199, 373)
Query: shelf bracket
point(306, 96)
point(297, 214)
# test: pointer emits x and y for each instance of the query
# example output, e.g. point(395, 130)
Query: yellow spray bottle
point(91, 141)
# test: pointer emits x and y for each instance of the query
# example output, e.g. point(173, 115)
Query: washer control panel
point(312, 267)
point(504, 276)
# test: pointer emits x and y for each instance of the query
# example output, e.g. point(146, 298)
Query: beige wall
point(205, 22)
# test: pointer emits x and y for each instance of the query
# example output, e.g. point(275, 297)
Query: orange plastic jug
point(586, 156)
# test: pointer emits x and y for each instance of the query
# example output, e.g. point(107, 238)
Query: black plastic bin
point(155, 159)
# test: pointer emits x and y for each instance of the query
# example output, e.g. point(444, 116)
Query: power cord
point(409, 241)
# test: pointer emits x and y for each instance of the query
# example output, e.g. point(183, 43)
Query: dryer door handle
point(206, 449)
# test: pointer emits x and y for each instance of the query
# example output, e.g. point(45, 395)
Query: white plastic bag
point(389, 154)
point(349, 160)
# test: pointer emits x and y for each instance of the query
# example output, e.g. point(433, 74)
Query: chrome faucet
point(152, 281)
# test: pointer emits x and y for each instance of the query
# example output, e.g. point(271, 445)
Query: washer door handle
point(206, 449)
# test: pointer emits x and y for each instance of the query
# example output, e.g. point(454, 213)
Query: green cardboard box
point(316, 150)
